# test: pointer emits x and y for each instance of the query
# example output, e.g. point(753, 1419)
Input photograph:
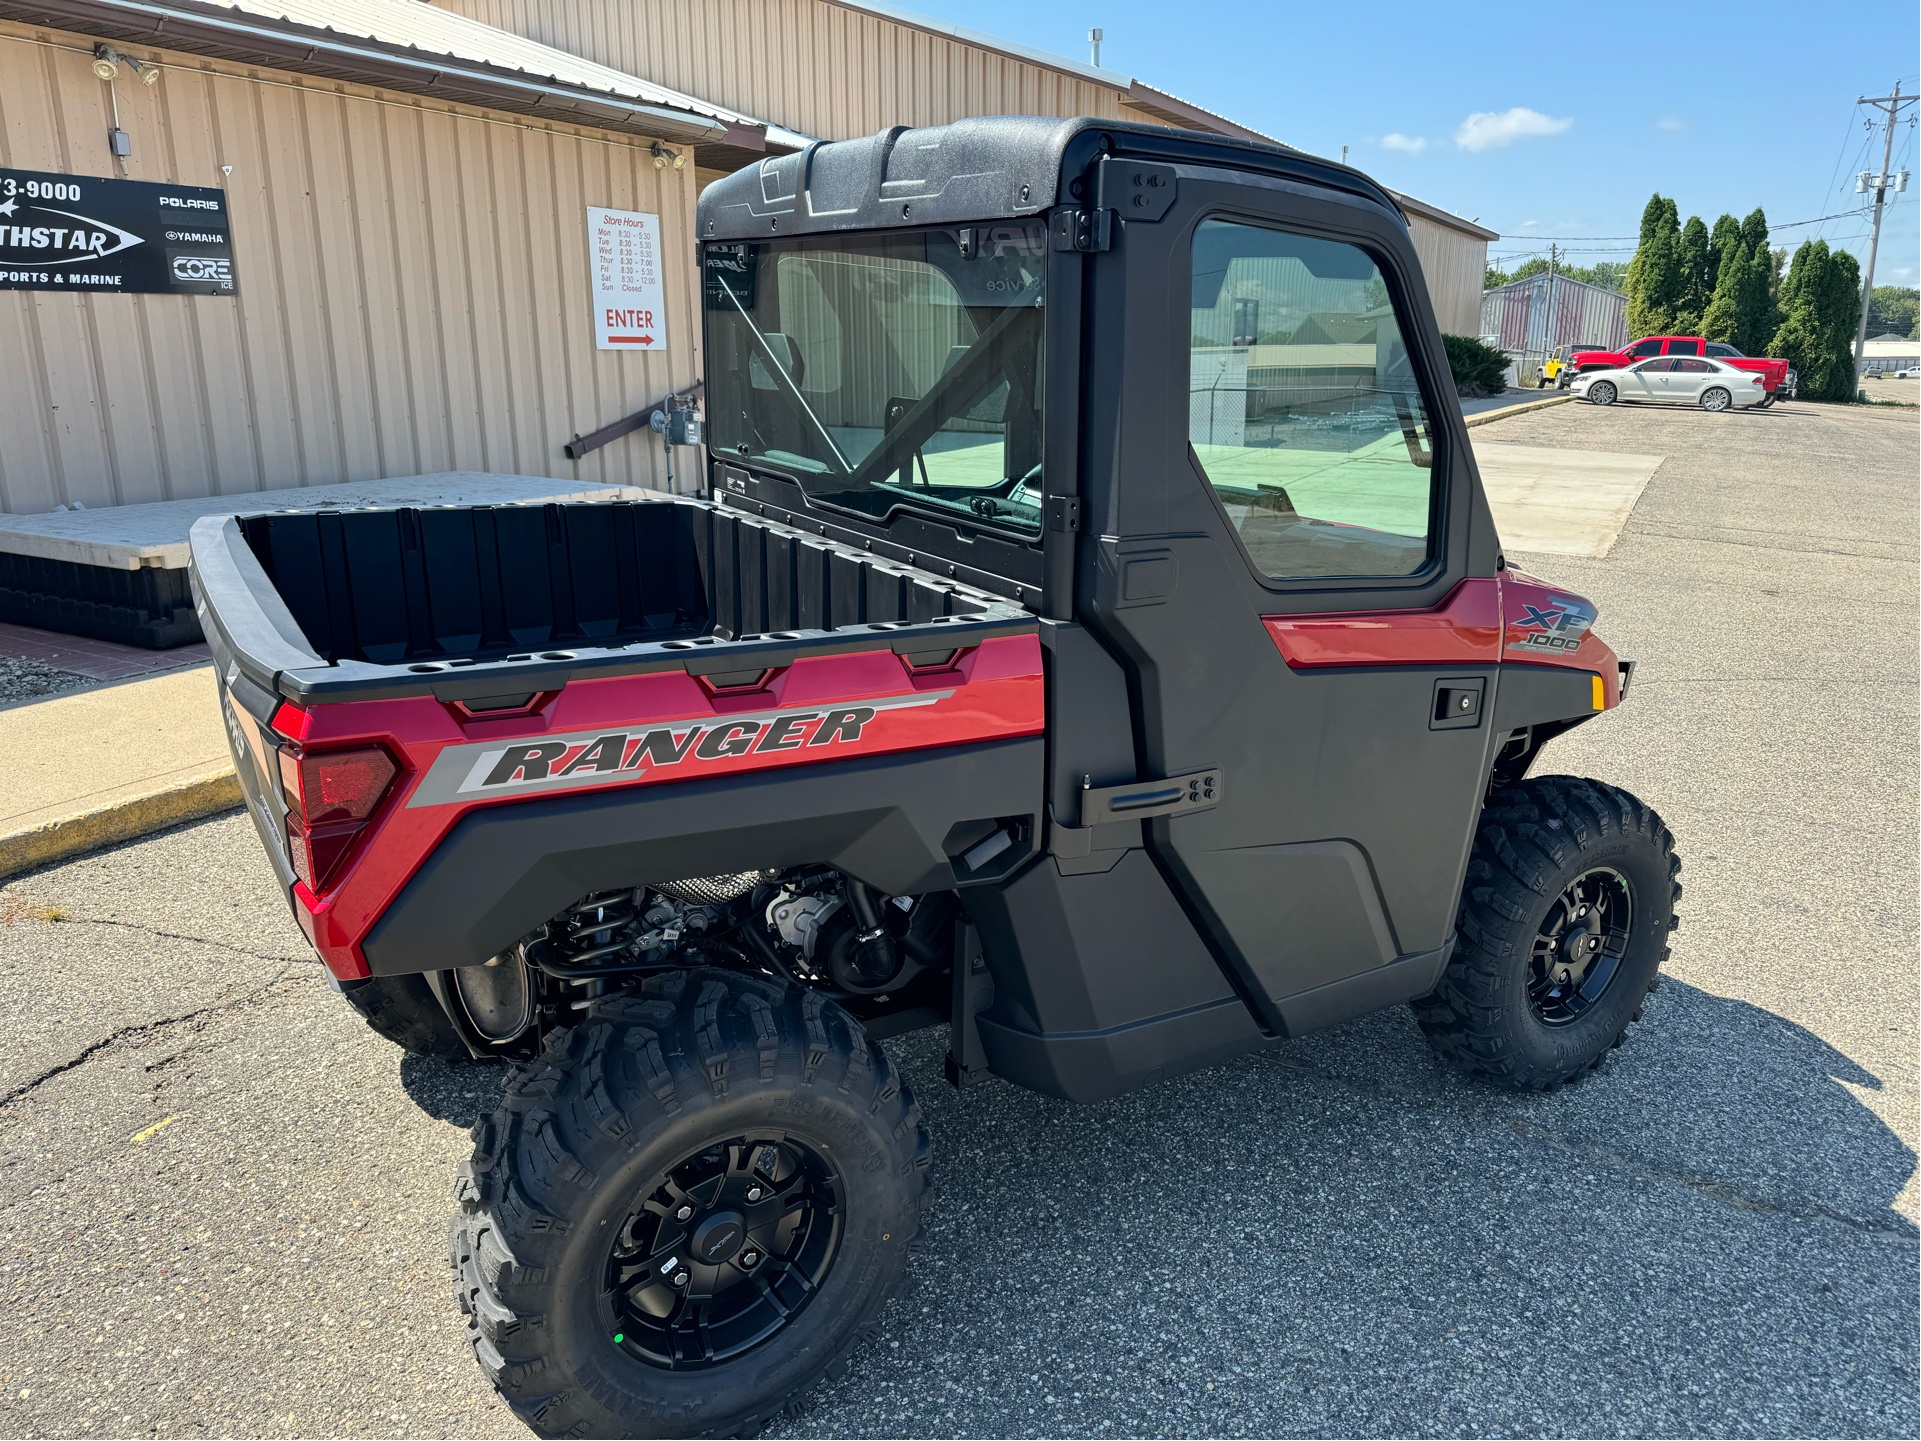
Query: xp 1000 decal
point(1550, 626)
point(689, 748)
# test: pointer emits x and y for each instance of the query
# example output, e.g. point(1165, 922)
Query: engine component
point(714, 890)
point(497, 996)
point(873, 956)
point(799, 919)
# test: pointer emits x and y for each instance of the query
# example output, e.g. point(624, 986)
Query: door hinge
point(1064, 513)
point(1084, 229)
point(1146, 800)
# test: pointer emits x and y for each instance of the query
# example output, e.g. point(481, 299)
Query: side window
point(1303, 409)
point(1723, 350)
point(1684, 347)
point(1647, 347)
point(1652, 367)
point(1695, 365)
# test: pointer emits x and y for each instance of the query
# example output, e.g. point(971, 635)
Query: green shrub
point(1475, 364)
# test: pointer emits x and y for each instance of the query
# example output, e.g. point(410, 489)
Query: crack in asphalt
point(142, 1028)
point(284, 960)
point(1894, 1227)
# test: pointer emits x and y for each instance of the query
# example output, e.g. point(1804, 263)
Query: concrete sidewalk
point(109, 764)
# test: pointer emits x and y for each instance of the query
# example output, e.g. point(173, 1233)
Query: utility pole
point(1892, 105)
point(1547, 330)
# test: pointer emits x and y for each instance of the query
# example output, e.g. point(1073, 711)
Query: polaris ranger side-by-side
point(1093, 641)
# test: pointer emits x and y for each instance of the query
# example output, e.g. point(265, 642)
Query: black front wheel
point(689, 1208)
point(1570, 900)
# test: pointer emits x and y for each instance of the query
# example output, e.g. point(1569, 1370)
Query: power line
point(1784, 225)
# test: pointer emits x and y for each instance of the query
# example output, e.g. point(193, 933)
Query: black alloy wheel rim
point(1580, 947)
point(722, 1251)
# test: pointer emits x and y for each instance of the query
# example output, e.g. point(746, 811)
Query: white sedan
point(1674, 380)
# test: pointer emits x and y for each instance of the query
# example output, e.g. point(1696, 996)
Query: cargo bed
point(490, 603)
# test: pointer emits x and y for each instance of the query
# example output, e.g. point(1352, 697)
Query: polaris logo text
point(694, 746)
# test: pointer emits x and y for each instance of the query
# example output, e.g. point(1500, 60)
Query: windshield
point(885, 371)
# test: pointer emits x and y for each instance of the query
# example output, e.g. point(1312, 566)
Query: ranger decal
point(699, 745)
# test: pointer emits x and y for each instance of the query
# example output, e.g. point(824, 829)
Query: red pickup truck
point(1779, 378)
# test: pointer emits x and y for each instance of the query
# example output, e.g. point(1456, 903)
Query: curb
point(126, 820)
point(1502, 414)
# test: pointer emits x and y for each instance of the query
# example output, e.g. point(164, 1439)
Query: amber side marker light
point(330, 795)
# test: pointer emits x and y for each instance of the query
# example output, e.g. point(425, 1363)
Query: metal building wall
point(1455, 265)
point(806, 64)
point(838, 73)
point(413, 291)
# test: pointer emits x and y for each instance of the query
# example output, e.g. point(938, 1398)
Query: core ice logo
point(203, 268)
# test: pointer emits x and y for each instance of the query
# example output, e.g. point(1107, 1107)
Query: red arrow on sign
point(630, 339)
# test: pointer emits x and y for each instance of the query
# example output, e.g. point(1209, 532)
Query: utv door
point(1291, 557)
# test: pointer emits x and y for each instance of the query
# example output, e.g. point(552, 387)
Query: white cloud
point(1489, 129)
point(1412, 144)
point(1671, 123)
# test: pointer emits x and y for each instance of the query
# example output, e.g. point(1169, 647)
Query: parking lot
point(222, 1199)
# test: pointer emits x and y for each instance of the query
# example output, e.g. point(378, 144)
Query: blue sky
point(1583, 111)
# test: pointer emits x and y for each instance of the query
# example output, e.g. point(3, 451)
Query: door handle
point(1146, 800)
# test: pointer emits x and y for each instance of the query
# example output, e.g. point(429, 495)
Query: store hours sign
point(623, 251)
point(79, 232)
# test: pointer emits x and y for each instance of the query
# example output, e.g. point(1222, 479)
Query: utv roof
point(1000, 167)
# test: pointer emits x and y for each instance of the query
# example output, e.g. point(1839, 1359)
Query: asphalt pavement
point(222, 1199)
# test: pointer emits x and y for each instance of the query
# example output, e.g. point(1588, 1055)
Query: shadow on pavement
point(458, 1092)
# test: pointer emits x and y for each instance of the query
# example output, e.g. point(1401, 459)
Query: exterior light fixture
point(107, 62)
point(662, 156)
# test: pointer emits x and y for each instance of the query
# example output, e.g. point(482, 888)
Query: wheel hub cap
point(717, 1238)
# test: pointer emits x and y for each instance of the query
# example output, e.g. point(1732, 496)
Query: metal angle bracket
point(1133, 189)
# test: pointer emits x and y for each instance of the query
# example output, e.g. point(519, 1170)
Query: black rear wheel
point(403, 1010)
point(1570, 900)
point(694, 1204)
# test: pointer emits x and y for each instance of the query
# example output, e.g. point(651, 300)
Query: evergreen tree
point(1655, 281)
point(1723, 317)
point(1840, 315)
point(1754, 310)
point(1754, 230)
point(1722, 243)
point(1821, 304)
point(1697, 279)
point(1797, 340)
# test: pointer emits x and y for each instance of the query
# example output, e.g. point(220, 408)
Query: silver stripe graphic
point(459, 771)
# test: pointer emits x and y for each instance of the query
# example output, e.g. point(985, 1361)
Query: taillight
point(330, 795)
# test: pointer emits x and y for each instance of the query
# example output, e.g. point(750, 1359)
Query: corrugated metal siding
point(1584, 315)
point(811, 66)
point(1455, 265)
point(414, 293)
